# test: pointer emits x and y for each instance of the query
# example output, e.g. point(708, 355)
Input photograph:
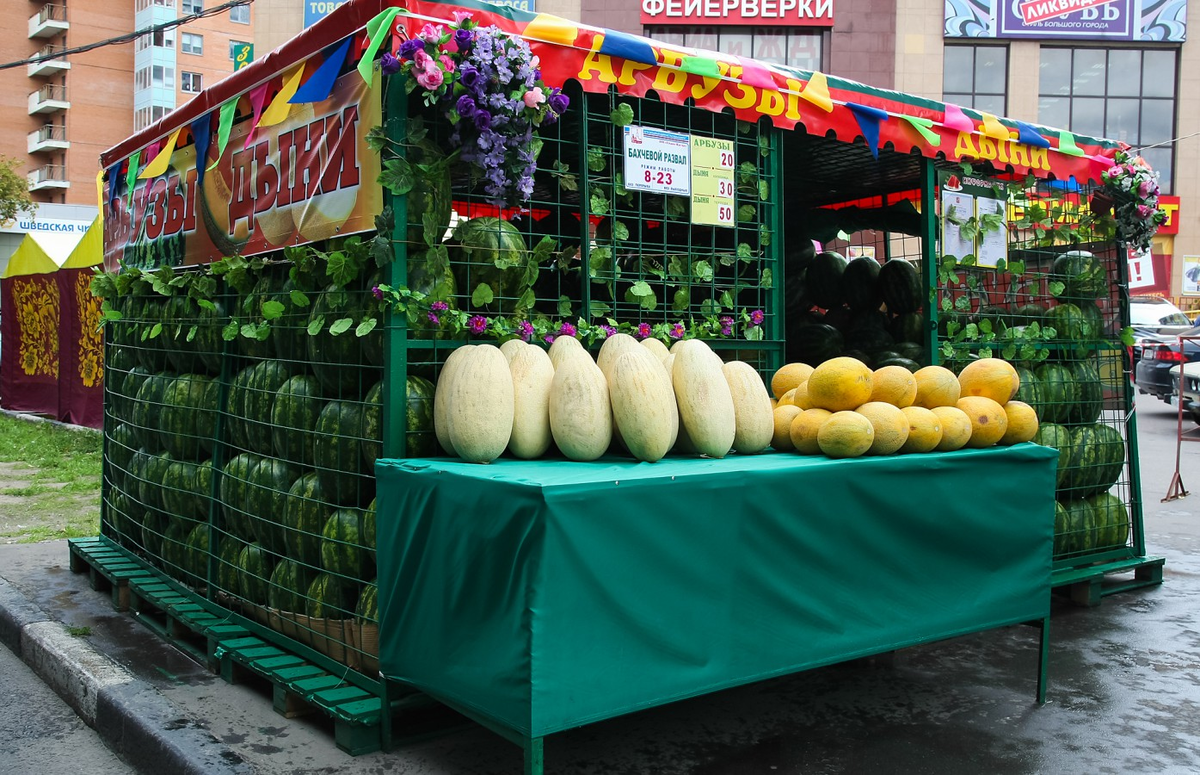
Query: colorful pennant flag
point(703, 66)
point(1027, 135)
point(277, 112)
point(994, 129)
point(224, 128)
point(551, 29)
point(869, 119)
point(258, 96)
point(957, 120)
point(320, 84)
point(754, 74)
point(924, 127)
point(1067, 144)
point(201, 137)
point(816, 91)
point(131, 175)
point(377, 29)
point(100, 192)
point(161, 160)
point(625, 46)
point(114, 172)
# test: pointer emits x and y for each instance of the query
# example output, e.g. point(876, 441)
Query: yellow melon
point(1022, 423)
point(774, 403)
point(936, 386)
point(990, 377)
point(890, 425)
point(805, 428)
point(840, 384)
point(786, 398)
point(846, 434)
point(988, 420)
point(781, 439)
point(800, 396)
point(895, 385)
point(924, 429)
point(956, 428)
point(789, 376)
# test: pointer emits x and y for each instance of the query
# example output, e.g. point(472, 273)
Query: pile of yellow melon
point(634, 397)
point(843, 409)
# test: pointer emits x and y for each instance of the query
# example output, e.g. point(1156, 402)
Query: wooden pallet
point(109, 568)
point(1088, 584)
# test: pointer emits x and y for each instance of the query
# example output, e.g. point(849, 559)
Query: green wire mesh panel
point(1055, 309)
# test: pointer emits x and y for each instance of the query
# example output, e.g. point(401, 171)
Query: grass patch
point(79, 632)
point(53, 476)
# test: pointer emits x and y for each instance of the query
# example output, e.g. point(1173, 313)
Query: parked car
point(1191, 388)
point(1157, 355)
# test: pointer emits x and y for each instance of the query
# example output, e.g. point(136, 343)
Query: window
point(190, 82)
point(796, 48)
point(234, 47)
point(1121, 94)
point(193, 6)
point(162, 77)
point(240, 14)
point(191, 43)
point(160, 38)
point(141, 78)
point(976, 77)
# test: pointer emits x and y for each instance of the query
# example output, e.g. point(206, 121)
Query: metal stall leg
point(1043, 660)
point(533, 756)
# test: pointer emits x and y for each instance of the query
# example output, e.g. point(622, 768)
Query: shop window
point(976, 77)
point(796, 48)
point(1121, 94)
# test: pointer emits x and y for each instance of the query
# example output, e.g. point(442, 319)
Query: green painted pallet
point(1086, 585)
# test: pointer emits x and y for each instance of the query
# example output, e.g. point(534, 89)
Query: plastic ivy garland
point(1131, 193)
point(488, 85)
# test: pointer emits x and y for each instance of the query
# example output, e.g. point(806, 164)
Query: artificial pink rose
point(534, 97)
point(421, 60)
point(1145, 188)
point(447, 63)
point(431, 33)
point(460, 17)
point(430, 79)
point(1144, 211)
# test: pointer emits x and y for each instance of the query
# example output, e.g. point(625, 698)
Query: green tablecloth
point(545, 595)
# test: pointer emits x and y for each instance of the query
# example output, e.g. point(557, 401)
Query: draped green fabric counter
point(543, 595)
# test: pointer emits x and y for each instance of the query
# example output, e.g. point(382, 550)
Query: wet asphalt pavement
point(1124, 687)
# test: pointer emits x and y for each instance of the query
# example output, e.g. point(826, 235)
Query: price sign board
point(657, 160)
point(713, 186)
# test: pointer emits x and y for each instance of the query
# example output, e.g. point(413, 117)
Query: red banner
point(1170, 204)
point(1149, 274)
point(29, 350)
point(81, 354)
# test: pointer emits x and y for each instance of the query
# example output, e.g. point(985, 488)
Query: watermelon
point(1070, 324)
point(304, 516)
point(179, 315)
point(122, 379)
point(265, 379)
point(491, 251)
point(147, 410)
point(208, 343)
point(912, 351)
point(894, 359)
point(824, 280)
point(1090, 391)
point(289, 334)
point(368, 604)
point(860, 284)
point(188, 419)
point(331, 598)
point(1030, 391)
point(1081, 526)
point(910, 327)
point(187, 490)
point(297, 405)
point(154, 533)
point(901, 287)
point(227, 564)
point(266, 493)
point(254, 574)
point(1025, 314)
point(1059, 391)
point(1112, 521)
point(813, 343)
point(150, 487)
point(125, 516)
point(1099, 459)
point(235, 401)
point(289, 586)
point(119, 448)
point(337, 360)
point(197, 555)
point(419, 438)
point(250, 306)
point(337, 454)
point(429, 204)
point(175, 550)
point(369, 529)
point(1082, 274)
point(343, 550)
point(797, 259)
point(1058, 437)
point(234, 494)
point(372, 343)
point(151, 353)
point(1064, 540)
point(999, 317)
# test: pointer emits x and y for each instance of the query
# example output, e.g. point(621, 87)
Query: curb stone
point(131, 716)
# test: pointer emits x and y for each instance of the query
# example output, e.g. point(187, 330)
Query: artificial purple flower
point(609, 331)
point(439, 306)
point(526, 329)
point(377, 293)
point(757, 317)
point(463, 39)
point(477, 323)
point(433, 318)
point(643, 331)
point(677, 331)
point(410, 47)
point(468, 76)
point(483, 120)
point(558, 102)
point(726, 326)
point(389, 65)
point(566, 329)
point(548, 338)
point(465, 106)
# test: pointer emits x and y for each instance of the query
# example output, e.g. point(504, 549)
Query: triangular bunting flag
point(869, 119)
point(277, 112)
point(158, 165)
point(224, 128)
point(957, 120)
point(319, 85)
point(994, 129)
point(114, 172)
point(754, 74)
point(131, 175)
point(702, 66)
point(551, 29)
point(816, 91)
point(1067, 144)
point(377, 29)
point(100, 192)
point(201, 137)
point(924, 127)
point(625, 46)
point(1027, 135)
point(258, 96)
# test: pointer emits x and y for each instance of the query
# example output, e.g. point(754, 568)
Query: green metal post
point(929, 257)
point(778, 250)
point(395, 327)
point(1131, 445)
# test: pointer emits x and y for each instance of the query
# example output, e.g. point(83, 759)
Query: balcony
point(51, 98)
point(50, 176)
point(51, 137)
point(52, 62)
point(48, 22)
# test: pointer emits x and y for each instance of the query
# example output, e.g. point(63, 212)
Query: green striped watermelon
point(1112, 521)
point(150, 488)
point(187, 490)
point(910, 327)
point(1058, 437)
point(1064, 540)
point(1025, 314)
point(337, 454)
point(188, 419)
point(254, 573)
point(298, 404)
point(343, 550)
point(1093, 318)
point(1030, 390)
point(337, 360)
point(1090, 391)
point(235, 409)
point(150, 352)
point(1059, 391)
point(419, 438)
point(249, 306)
point(902, 287)
point(289, 586)
point(1082, 274)
point(147, 410)
point(331, 598)
point(368, 604)
point(234, 495)
point(125, 516)
point(178, 317)
point(227, 564)
point(289, 332)
point(304, 518)
point(119, 449)
point(258, 399)
point(1099, 458)
point(154, 532)
point(369, 529)
point(860, 284)
point(266, 493)
point(197, 555)
point(1071, 326)
point(813, 343)
point(1081, 526)
point(175, 550)
point(824, 280)
point(491, 251)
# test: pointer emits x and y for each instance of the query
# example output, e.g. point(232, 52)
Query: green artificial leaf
point(622, 116)
point(249, 330)
point(744, 252)
point(702, 271)
point(985, 326)
point(952, 328)
point(677, 267)
point(746, 173)
point(598, 309)
point(746, 213)
point(947, 350)
point(764, 236)
point(681, 299)
point(1008, 352)
point(397, 176)
point(340, 326)
point(315, 325)
point(1016, 267)
point(946, 304)
point(725, 300)
point(596, 160)
point(1056, 288)
point(155, 330)
point(564, 306)
point(599, 262)
point(641, 288)
point(566, 179)
point(764, 190)
point(298, 298)
point(230, 331)
point(598, 202)
point(971, 331)
point(377, 138)
point(766, 281)
point(526, 301)
point(1001, 265)
point(365, 327)
point(709, 307)
point(482, 295)
point(985, 352)
point(764, 145)
point(432, 229)
point(962, 304)
point(1127, 337)
point(207, 305)
point(191, 334)
point(620, 231)
point(272, 310)
point(675, 206)
point(753, 333)
point(262, 331)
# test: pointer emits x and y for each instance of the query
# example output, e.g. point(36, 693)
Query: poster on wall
point(1127, 20)
point(1191, 276)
